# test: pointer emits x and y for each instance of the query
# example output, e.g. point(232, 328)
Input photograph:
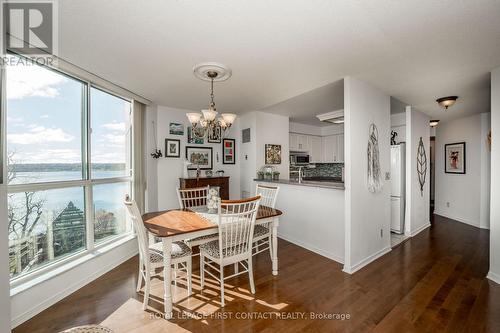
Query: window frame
point(87, 183)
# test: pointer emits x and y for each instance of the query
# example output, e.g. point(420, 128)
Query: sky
point(44, 119)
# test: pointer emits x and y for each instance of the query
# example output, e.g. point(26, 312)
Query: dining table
point(182, 224)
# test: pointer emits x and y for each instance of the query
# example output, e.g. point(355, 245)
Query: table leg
point(167, 276)
point(274, 245)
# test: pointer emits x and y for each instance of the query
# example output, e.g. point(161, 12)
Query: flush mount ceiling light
point(207, 122)
point(447, 101)
point(434, 123)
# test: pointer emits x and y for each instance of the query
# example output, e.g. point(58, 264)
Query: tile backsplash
point(330, 170)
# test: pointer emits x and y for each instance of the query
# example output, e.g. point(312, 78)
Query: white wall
point(398, 125)
point(367, 233)
point(467, 201)
point(151, 165)
point(417, 203)
point(305, 129)
point(494, 273)
point(169, 170)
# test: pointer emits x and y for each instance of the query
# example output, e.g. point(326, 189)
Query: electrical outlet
point(448, 204)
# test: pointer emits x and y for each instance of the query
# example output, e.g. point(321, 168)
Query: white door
point(396, 171)
point(396, 215)
point(302, 142)
point(329, 144)
point(315, 151)
point(294, 145)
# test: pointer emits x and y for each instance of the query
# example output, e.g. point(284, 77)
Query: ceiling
point(414, 50)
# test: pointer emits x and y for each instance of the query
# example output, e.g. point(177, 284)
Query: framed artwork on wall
point(214, 134)
point(455, 158)
point(273, 154)
point(176, 129)
point(192, 139)
point(228, 151)
point(172, 148)
point(201, 156)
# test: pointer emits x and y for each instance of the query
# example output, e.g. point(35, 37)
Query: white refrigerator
point(398, 188)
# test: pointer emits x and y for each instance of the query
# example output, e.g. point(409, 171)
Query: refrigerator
point(398, 188)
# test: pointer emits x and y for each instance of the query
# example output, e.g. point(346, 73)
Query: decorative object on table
point(488, 140)
point(156, 152)
point(206, 123)
point(268, 175)
point(421, 165)
point(276, 175)
point(394, 134)
point(260, 175)
point(176, 129)
point(213, 199)
point(455, 158)
point(199, 157)
point(209, 173)
point(193, 139)
point(373, 157)
point(447, 101)
point(214, 135)
point(220, 173)
point(273, 154)
point(172, 148)
point(245, 135)
point(228, 151)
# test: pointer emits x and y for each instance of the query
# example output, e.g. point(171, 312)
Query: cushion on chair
point(212, 249)
point(203, 238)
point(89, 329)
point(179, 249)
point(260, 230)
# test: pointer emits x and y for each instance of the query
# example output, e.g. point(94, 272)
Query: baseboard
point(420, 229)
point(354, 268)
point(312, 248)
point(37, 308)
point(493, 277)
point(458, 219)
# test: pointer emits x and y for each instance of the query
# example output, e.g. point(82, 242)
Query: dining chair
point(194, 198)
point(236, 222)
point(262, 235)
point(151, 256)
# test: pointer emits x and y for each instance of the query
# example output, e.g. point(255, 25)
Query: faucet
point(301, 174)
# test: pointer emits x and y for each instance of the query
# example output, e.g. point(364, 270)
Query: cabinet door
point(329, 144)
point(315, 151)
point(340, 148)
point(294, 145)
point(303, 142)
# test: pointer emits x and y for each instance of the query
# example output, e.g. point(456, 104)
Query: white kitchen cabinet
point(303, 142)
point(326, 149)
point(333, 148)
point(315, 150)
point(294, 142)
point(340, 148)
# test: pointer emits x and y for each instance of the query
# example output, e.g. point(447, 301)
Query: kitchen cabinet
point(221, 182)
point(326, 149)
point(300, 142)
point(294, 142)
point(333, 148)
point(315, 151)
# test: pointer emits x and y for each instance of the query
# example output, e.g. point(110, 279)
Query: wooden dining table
point(181, 224)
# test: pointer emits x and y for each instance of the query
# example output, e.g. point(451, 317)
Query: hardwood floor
point(434, 282)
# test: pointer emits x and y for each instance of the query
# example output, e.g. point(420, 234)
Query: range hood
point(334, 117)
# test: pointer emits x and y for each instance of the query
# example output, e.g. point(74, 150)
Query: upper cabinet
point(315, 151)
point(299, 142)
point(326, 149)
point(333, 148)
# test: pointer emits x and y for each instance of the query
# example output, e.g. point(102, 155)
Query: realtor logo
point(30, 27)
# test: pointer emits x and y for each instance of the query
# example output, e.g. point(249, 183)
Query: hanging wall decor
point(421, 165)
point(373, 171)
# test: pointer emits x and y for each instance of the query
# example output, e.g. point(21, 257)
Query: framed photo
point(228, 151)
point(455, 158)
point(172, 148)
point(201, 156)
point(214, 135)
point(192, 139)
point(176, 129)
point(273, 154)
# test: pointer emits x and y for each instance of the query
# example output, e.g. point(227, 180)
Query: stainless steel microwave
point(299, 159)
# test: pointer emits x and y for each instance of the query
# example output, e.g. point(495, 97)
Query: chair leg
point(202, 271)
point(236, 268)
point(146, 289)
point(139, 278)
point(250, 275)
point(222, 286)
point(270, 247)
point(176, 268)
point(189, 271)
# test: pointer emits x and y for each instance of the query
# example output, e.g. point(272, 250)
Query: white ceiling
point(414, 50)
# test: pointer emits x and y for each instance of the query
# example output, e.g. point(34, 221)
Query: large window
point(69, 166)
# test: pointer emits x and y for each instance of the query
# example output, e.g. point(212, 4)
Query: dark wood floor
point(434, 282)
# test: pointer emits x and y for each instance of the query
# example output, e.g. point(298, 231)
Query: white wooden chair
point(151, 256)
point(194, 198)
point(262, 236)
point(236, 221)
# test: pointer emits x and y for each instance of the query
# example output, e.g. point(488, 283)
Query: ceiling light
point(447, 101)
point(338, 120)
point(434, 123)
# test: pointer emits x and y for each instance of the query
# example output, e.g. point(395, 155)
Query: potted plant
point(269, 175)
point(260, 175)
point(276, 175)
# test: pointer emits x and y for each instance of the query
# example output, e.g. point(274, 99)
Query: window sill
point(22, 286)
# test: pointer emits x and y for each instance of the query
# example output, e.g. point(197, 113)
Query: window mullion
point(89, 201)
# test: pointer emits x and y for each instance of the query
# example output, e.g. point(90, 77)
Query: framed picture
point(176, 129)
point(228, 151)
point(201, 156)
point(172, 148)
point(455, 158)
point(273, 154)
point(214, 134)
point(192, 139)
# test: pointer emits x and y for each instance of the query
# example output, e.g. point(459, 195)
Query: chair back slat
point(140, 230)
point(236, 221)
point(268, 195)
point(193, 197)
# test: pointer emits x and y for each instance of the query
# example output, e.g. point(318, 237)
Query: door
point(302, 142)
point(294, 145)
point(396, 171)
point(315, 151)
point(329, 144)
point(396, 212)
point(340, 148)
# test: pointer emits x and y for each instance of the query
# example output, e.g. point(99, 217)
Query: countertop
point(310, 183)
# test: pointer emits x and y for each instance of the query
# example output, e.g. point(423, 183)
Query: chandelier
point(207, 121)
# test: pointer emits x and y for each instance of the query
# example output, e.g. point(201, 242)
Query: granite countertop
point(337, 185)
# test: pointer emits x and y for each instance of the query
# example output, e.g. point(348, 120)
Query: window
point(69, 166)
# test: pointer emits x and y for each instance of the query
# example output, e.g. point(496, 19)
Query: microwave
point(299, 159)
